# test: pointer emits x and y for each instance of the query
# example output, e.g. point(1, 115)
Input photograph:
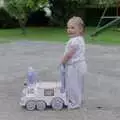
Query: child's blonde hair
point(77, 20)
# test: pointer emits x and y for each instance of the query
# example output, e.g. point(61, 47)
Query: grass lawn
point(109, 36)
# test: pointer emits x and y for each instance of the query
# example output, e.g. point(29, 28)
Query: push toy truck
point(43, 94)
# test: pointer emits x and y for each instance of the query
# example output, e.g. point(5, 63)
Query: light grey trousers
point(74, 81)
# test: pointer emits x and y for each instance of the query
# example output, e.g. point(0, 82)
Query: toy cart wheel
point(57, 103)
point(30, 105)
point(40, 105)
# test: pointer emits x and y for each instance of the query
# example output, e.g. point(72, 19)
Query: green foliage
point(36, 4)
point(20, 9)
point(16, 9)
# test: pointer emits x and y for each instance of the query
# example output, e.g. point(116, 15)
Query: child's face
point(73, 29)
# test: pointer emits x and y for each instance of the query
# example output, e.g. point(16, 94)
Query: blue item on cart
point(31, 76)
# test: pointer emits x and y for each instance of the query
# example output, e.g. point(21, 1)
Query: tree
point(21, 9)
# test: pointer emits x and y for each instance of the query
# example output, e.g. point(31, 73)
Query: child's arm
point(68, 55)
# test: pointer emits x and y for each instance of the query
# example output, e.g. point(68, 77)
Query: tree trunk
point(22, 23)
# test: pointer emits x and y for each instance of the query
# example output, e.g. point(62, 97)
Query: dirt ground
point(102, 83)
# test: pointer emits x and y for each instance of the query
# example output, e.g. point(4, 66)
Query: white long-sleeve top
point(79, 44)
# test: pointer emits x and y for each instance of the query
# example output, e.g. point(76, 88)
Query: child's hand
point(62, 61)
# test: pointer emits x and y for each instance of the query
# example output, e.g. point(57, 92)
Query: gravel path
point(102, 84)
